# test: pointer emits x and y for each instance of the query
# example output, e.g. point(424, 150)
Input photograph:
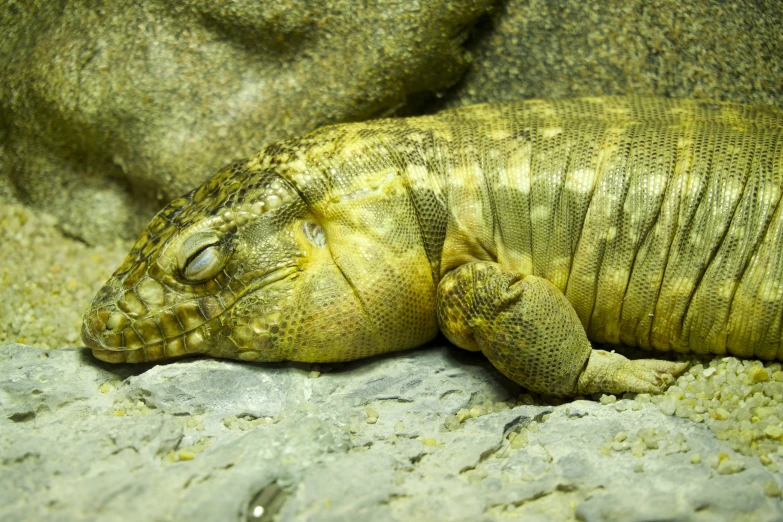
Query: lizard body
point(521, 230)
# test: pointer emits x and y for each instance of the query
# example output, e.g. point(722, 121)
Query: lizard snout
point(100, 327)
point(93, 330)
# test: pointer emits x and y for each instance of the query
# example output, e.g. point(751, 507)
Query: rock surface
point(108, 110)
point(711, 49)
point(391, 438)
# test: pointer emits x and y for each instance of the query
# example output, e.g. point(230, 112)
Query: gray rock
point(39, 382)
point(213, 440)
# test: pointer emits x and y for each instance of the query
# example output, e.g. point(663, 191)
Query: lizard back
point(658, 219)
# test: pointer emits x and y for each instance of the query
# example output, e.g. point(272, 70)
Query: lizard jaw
point(151, 342)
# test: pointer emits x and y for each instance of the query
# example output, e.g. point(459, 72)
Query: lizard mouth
point(165, 334)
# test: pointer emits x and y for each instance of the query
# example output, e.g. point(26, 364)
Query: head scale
point(271, 260)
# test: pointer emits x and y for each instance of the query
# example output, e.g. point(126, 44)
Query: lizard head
point(249, 266)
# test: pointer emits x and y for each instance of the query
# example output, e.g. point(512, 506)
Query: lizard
point(525, 230)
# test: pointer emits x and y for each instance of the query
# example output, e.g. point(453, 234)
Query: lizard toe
point(610, 372)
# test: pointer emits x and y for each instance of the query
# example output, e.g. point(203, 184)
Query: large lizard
point(524, 230)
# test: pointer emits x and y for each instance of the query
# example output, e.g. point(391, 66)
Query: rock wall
point(109, 109)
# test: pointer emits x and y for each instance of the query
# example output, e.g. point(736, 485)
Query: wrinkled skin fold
point(523, 230)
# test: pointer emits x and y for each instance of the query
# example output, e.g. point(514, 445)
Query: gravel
point(47, 279)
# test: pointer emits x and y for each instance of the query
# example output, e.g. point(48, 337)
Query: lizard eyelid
point(202, 256)
point(204, 265)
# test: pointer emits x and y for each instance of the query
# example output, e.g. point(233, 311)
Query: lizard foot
point(610, 372)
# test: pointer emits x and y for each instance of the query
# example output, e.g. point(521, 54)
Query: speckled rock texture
point(110, 109)
point(709, 49)
point(381, 439)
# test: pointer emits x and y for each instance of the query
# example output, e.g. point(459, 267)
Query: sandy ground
point(47, 280)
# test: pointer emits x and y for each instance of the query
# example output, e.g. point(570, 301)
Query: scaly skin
point(523, 230)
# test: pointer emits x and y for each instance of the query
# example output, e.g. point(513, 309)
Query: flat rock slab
point(382, 439)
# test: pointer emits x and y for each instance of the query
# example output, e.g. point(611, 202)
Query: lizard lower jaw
point(115, 336)
point(127, 345)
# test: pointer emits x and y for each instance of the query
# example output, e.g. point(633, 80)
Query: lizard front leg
point(531, 333)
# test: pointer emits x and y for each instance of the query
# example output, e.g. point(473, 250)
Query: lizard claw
point(610, 372)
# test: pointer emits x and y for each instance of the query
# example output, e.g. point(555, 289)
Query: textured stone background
point(109, 109)
point(726, 51)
